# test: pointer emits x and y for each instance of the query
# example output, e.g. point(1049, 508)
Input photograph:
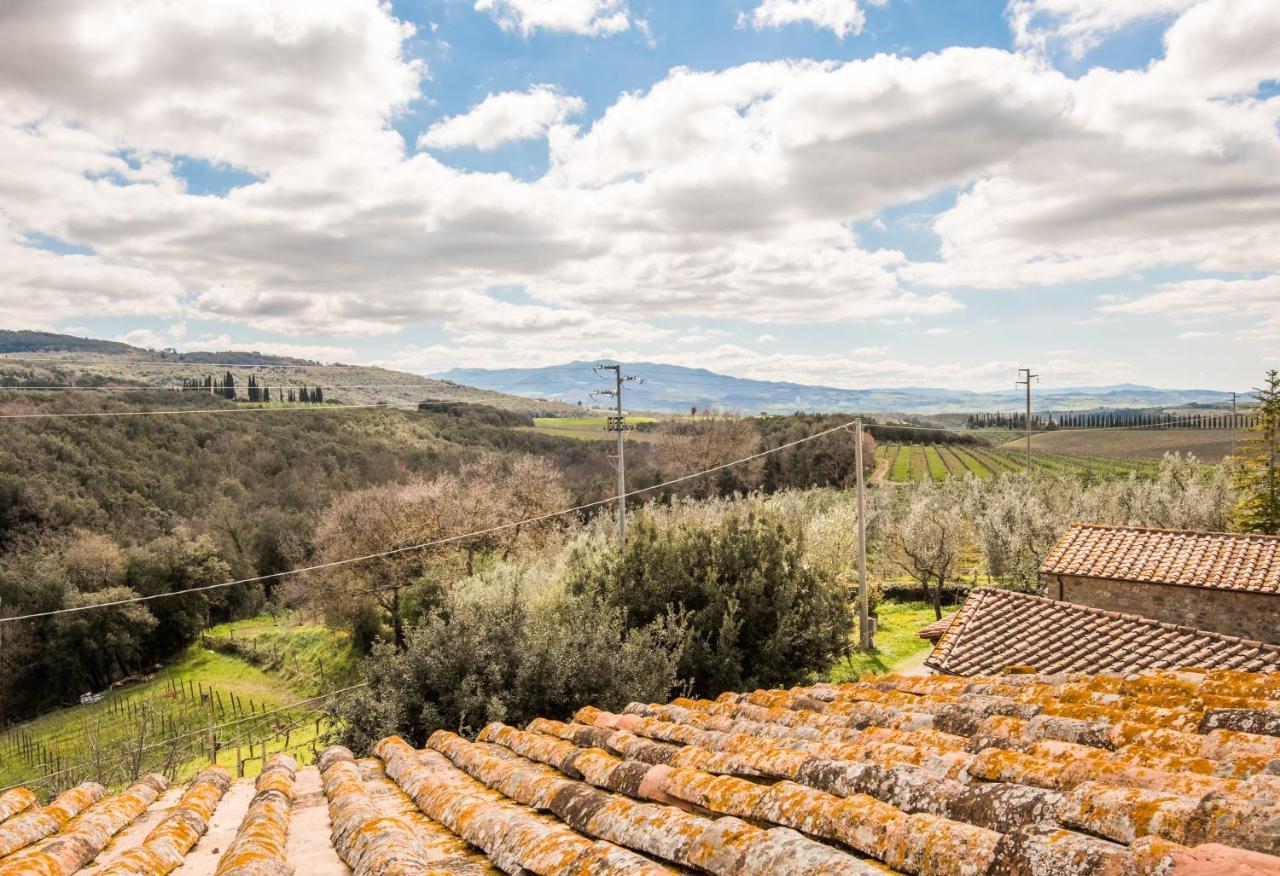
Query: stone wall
point(1232, 612)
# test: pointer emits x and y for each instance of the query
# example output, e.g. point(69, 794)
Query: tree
point(1258, 464)
point(509, 650)
point(689, 446)
point(486, 494)
point(758, 614)
point(926, 538)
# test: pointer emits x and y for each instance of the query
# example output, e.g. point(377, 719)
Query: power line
point(54, 415)
point(435, 542)
point(172, 364)
point(151, 387)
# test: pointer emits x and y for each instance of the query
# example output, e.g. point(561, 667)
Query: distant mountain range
point(676, 388)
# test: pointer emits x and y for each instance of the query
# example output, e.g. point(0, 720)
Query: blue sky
point(902, 192)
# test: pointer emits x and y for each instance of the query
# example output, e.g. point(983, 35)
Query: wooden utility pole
point(618, 424)
point(864, 615)
point(1027, 377)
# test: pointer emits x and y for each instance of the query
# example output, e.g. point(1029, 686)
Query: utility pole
point(1233, 425)
point(618, 424)
point(1027, 377)
point(864, 616)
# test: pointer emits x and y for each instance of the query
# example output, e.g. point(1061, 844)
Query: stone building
point(1227, 583)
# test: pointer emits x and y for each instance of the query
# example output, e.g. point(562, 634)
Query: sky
point(855, 193)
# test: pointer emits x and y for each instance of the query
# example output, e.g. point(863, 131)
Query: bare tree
point(489, 496)
point(704, 442)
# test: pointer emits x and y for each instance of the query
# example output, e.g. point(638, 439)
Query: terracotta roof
point(998, 629)
point(933, 632)
point(1220, 560)
point(1044, 775)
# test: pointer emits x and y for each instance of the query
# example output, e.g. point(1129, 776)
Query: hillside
point(30, 359)
point(676, 388)
point(1208, 445)
point(249, 667)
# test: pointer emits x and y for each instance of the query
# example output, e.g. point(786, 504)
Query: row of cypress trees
point(225, 387)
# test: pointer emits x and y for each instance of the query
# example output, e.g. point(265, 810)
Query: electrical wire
point(151, 387)
point(313, 408)
point(435, 542)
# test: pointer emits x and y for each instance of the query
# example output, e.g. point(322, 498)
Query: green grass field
point(896, 641)
point(162, 724)
point(587, 428)
point(937, 462)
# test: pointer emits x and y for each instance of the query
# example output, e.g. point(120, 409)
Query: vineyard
point(171, 723)
point(902, 463)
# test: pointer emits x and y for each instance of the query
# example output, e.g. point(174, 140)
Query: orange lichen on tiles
point(167, 844)
point(511, 835)
point(82, 840)
point(15, 800)
point(259, 846)
point(370, 843)
point(33, 825)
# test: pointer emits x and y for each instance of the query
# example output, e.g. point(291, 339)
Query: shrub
point(494, 652)
point(758, 614)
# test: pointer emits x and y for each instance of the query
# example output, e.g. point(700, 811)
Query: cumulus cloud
point(841, 17)
point(502, 118)
point(1082, 24)
point(1168, 165)
point(586, 17)
point(728, 194)
point(244, 82)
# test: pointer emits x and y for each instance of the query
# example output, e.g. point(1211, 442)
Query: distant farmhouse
point(1222, 582)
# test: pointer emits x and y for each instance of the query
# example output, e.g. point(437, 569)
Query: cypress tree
point(1257, 476)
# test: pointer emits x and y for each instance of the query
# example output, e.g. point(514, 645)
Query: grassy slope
point(896, 641)
point(288, 674)
point(1210, 445)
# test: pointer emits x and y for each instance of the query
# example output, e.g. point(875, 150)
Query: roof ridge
point(1117, 527)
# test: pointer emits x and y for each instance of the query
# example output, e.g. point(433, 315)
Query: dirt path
point(881, 472)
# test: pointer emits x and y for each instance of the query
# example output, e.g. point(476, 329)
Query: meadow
point(587, 428)
point(902, 463)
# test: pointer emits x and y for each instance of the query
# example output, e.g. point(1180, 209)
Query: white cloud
point(170, 336)
point(841, 17)
point(1199, 299)
point(765, 339)
point(246, 82)
point(586, 17)
point(1082, 24)
point(725, 195)
point(1146, 168)
point(935, 332)
point(502, 118)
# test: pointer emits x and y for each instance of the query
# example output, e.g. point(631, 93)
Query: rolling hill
point(675, 388)
point(35, 359)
